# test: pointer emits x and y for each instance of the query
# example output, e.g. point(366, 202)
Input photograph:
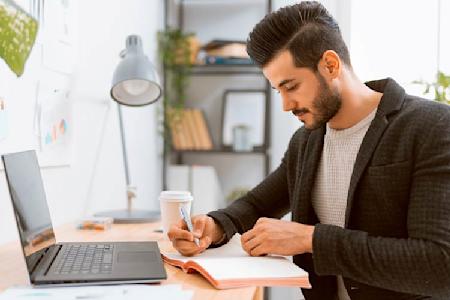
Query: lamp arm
point(124, 147)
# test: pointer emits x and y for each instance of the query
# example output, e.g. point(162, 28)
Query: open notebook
point(230, 266)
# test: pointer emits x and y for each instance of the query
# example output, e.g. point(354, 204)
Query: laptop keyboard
point(85, 259)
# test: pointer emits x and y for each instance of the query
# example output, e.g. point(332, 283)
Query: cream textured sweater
point(333, 176)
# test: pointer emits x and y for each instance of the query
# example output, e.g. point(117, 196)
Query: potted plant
point(441, 87)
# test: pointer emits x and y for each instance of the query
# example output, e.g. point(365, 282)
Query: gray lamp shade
point(135, 82)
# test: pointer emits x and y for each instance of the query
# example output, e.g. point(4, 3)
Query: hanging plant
point(17, 35)
point(177, 54)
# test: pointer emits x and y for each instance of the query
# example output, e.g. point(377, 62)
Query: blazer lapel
point(366, 150)
point(391, 102)
point(307, 171)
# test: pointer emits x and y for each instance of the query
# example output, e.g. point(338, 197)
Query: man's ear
point(330, 64)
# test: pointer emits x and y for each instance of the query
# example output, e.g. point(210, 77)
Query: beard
point(326, 105)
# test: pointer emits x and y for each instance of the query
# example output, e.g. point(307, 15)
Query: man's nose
point(288, 104)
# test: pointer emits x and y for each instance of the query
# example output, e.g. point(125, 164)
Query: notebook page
point(231, 249)
point(231, 262)
point(251, 267)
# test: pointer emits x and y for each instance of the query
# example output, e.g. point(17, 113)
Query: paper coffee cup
point(170, 203)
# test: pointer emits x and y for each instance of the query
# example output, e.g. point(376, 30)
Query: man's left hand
point(273, 236)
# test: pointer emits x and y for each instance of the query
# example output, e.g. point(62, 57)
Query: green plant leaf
point(175, 54)
point(443, 80)
point(441, 87)
point(17, 35)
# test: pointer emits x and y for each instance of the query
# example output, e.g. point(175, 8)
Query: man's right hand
point(205, 229)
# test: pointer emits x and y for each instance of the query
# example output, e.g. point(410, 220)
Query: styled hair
point(306, 29)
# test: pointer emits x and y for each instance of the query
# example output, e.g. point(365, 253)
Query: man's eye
point(291, 88)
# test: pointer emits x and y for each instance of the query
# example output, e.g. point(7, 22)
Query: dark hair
point(306, 29)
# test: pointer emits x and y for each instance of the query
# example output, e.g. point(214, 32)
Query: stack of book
point(226, 52)
point(190, 131)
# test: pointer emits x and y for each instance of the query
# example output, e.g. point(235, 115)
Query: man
point(367, 178)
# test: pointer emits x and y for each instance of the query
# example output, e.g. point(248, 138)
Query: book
point(175, 134)
point(230, 49)
point(190, 132)
point(177, 131)
point(190, 127)
point(229, 266)
point(205, 136)
point(225, 60)
point(215, 44)
point(186, 131)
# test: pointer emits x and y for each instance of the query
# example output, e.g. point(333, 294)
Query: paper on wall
point(54, 124)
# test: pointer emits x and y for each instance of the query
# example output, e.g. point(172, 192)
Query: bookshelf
point(177, 13)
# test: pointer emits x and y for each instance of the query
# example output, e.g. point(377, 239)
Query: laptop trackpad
point(136, 257)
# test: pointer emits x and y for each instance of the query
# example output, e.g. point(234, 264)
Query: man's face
point(305, 93)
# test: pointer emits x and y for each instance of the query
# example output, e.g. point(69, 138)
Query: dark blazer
point(396, 240)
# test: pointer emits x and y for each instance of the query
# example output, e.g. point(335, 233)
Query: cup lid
point(176, 195)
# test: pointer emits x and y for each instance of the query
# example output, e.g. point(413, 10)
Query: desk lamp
point(134, 83)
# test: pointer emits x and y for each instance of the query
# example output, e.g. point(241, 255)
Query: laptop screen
point(30, 205)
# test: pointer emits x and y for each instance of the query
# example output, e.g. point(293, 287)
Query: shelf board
point(229, 2)
point(226, 70)
point(258, 150)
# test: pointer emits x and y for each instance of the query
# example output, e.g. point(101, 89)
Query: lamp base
point(124, 216)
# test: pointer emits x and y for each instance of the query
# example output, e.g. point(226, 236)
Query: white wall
point(102, 26)
point(444, 42)
point(396, 39)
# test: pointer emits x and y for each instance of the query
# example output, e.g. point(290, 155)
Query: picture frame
point(244, 108)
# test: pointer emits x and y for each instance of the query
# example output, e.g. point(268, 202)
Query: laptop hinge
point(45, 262)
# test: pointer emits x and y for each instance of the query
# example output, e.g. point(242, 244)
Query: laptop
point(66, 264)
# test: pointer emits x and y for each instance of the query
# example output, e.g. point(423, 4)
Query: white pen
point(187, 218)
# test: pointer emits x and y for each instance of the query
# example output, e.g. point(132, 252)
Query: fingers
point(250, 241)
point(256, 246)
point(183, 240)
point(248, 236)
point(262, 220)
point(205, 242)
point(177, 233)
point(254, 241)
point(199, 226)
point(259, 250)
point(188, 248)
point(182, 224)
